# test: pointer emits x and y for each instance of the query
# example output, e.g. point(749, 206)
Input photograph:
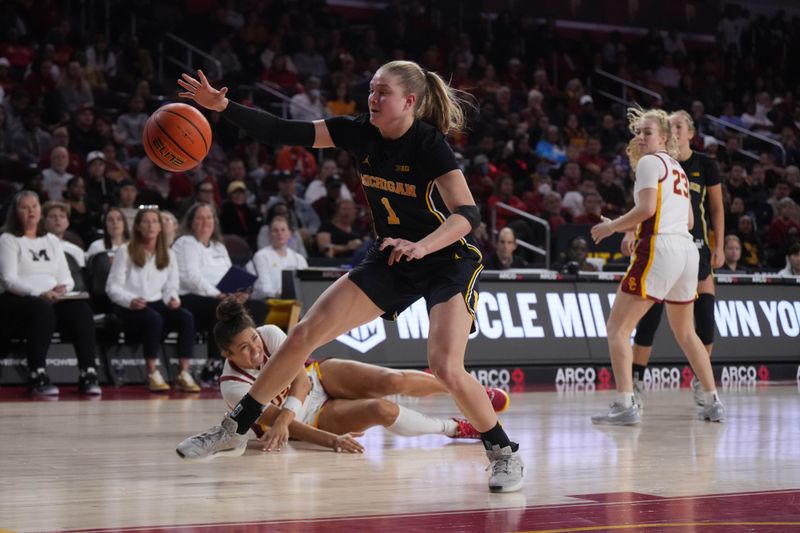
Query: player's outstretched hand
point(403, 248)
point(347, 443)
point(202, 92)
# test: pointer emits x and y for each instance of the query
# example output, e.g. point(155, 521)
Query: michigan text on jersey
point(397, 187)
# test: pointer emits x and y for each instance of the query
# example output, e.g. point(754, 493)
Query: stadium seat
point(74, 238)
point(238, 249)
point(78, 274)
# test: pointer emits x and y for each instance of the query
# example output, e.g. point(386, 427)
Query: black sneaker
point(40, 385)
point(88, 383)
point(212, 370)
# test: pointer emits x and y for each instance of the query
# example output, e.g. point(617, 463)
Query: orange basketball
point(177, 137)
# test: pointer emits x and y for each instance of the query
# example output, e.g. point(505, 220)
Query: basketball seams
point(162, 144)
point(173, 141)
point(202, 136)
point(146, 142)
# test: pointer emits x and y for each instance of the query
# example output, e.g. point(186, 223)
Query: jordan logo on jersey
point(42, 254)
point(366, 160)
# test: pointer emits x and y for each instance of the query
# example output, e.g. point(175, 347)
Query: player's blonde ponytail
point(437, 102)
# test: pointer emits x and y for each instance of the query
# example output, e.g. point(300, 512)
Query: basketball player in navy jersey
point(706, 197)
point(422, 210)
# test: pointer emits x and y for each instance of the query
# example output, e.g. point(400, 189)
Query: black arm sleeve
point(346, 132)
point(268, 129)
point(471, 213)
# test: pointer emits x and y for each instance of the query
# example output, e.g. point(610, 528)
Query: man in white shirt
point(56, 221)
point(309, 105)
point(269, 262)
point(56, 177)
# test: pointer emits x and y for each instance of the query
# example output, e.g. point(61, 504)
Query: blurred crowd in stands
point(544, 136)
point(542, 139)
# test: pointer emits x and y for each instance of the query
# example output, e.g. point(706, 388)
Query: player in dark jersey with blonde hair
point(705, 192)
point(422, 209)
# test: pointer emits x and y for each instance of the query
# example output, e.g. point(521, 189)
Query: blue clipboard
point(236, 279)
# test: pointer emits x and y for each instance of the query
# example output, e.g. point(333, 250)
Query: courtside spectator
point(504, 256)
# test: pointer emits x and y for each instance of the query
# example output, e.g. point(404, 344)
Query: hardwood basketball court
point(77, 464)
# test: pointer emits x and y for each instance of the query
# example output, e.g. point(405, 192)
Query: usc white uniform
point(235, 382)
point(665, 260)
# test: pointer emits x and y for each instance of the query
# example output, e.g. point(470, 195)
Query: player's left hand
point(174, 303)
point(403, 248)
point(348, 444)
point(717, 257)
point(275, 437)
point(199, 90)
point(601, 231)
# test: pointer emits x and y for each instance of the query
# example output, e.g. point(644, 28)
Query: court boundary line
point(586, 503)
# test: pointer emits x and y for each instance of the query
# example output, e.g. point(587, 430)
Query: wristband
point(293, 404)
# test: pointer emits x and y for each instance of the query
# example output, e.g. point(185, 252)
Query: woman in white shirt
point(35, 278)
point(203, 260)
point(115, 234)
point(143, 285)
point(268, 262)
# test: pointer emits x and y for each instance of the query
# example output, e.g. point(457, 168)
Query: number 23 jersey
point(398, 174)
point(660, 171)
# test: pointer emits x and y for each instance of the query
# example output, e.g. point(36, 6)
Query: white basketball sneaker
point(218, 441)
point(507, 469)
point(619, 415)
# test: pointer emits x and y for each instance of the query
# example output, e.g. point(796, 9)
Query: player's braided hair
point(232, 319)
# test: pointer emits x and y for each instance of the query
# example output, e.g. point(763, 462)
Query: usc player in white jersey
point(329, 397)
point(663, 266)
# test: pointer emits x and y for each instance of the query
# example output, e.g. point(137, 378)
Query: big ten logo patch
point(366, 337)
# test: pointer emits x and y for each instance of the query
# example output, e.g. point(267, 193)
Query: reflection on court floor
point(110, 465)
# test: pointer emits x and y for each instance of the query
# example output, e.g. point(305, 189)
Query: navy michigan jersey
point(702, 172)
point(398, 174)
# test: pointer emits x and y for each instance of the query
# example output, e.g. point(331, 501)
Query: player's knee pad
point(704, 317)
point(648, 324)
